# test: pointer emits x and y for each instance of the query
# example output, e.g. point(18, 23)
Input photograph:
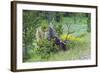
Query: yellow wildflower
point(69, 37)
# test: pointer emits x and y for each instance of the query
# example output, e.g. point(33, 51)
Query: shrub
point(45, 49)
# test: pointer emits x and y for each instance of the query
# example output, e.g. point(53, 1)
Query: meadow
point(56, 36)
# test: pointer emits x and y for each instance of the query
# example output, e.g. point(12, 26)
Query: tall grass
point(80, 51)
point(45, 51)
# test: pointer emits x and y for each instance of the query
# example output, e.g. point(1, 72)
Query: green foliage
point(68, 23)
point(45, 49)
point(59, 29)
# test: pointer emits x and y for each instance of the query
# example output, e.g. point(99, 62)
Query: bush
point(45, 49)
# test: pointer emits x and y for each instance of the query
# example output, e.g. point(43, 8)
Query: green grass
point(78, 52)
